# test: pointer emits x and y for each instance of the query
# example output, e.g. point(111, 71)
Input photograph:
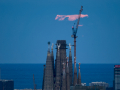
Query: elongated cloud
point(80, 25)
point(70, 17)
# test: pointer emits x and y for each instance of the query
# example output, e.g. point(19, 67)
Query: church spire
point(48, 54)
point(67, 76)
point(70, 66)
point(48, 75)
point(57, 71)
point(52, 56)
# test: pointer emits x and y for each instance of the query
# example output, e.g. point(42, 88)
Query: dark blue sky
point(26, 26)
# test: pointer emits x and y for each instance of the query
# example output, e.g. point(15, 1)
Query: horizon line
point(72, 63)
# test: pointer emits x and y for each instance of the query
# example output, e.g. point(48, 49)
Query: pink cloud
point(70, 17)
point(80, 25)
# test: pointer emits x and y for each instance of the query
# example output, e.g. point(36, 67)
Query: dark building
point(6, 85)
point(109, 88)
point(116, 82)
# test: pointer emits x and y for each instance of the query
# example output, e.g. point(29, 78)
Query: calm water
point(22, 74)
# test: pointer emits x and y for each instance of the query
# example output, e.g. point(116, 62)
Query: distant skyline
point(26, 26)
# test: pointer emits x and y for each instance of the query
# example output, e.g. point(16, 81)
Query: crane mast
point(74, 36)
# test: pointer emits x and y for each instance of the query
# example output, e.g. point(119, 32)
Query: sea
point(22, 74)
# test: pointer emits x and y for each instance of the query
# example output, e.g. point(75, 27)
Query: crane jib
point(75, 29)
point(79, 17)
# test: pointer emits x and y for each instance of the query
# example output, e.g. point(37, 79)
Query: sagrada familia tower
point(58, 75)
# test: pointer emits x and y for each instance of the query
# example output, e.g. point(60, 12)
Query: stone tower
point(63, 78)
point(70, 67)
point(57, 70)
point(62, 51)
point(48, 76)
point(67, 77)
point(52, 56)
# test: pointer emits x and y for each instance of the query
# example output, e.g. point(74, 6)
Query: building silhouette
point(116, 82)
point(48, 73)
point(59, 76)
point(6, 85)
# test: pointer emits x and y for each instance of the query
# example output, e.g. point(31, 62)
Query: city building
point(116, 82)
point(83, 84)
point(99, 84)
point(6, 85)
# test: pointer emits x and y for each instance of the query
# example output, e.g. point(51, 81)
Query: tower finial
point(52, 46)
point(49, 46)
point(70, 46)
point(58, 46)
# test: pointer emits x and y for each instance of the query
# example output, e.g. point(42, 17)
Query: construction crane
point(34, 83)
point(75, 31)
point(74, 36)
